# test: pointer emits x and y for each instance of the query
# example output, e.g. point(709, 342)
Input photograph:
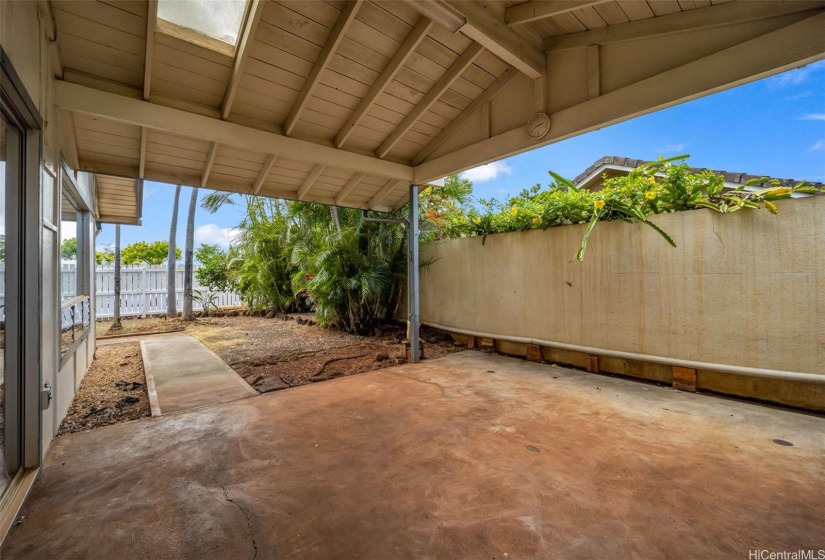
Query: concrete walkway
point(182, 373)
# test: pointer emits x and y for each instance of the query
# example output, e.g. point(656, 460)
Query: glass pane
point(68, 249)
point(9, 136)
point(219, 19)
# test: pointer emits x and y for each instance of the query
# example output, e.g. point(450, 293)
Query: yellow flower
point(513, 211)
point(651, 181)
point(477, 221)
point(536, 221)
point(771, 207)
point(599, 204)
point(650, 195)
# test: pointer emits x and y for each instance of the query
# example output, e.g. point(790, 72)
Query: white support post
point(413, 312)
point(145, 290)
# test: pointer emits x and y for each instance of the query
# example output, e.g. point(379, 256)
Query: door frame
point(18, 104)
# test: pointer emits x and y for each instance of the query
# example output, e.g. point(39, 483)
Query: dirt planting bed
point(287, 351)
point(113, 390)
point(136, 325)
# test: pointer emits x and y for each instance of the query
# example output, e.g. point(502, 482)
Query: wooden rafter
point(144, 132)
point(321, 63)
point(443, 84)
point(310, 180)
point(151, 25)
point(263, 174)
point(241, 54)
point(207, 166)
point(462, 118)
point(790, 46)
point(111, 106)
point(718, 15)
point(393, 66)
point(483, 26)
point(536, 10)
point(385, 190)
point(349, 187)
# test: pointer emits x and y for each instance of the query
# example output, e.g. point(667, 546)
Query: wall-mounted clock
point(538, 126)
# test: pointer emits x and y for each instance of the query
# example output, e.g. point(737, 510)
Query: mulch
point(113, 390)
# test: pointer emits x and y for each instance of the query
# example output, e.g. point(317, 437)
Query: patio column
point(413, 315)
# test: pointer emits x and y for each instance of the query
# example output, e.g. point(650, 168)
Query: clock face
point(538, 126)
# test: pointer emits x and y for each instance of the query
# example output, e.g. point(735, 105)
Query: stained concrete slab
point(467, 456)
point(182, 373)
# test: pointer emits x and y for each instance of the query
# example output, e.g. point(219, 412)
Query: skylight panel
point(219, 19)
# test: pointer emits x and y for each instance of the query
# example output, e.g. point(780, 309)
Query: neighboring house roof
point(612, 166)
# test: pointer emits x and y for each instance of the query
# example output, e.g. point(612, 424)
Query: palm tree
point(188, 315)
point(171, 304)
point(116, 322)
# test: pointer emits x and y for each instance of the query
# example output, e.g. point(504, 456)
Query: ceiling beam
point(349, 187)
point(536, 10)
point(465, 115)
point(321, 63)
point(142, 168)
point(390, 70)
point(718, 15)
point(385, 190)
point(241, 54)
point(207, 166)
point(442, 85)
point(110, 106)
point(151, 25)
point(485, 27)
point(791, 46)
point(310, 180)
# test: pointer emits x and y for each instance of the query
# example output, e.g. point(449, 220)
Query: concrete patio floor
point(467, 456)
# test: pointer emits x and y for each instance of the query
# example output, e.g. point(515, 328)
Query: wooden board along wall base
point(534, 353)
point(684, 379)
point(593, 364)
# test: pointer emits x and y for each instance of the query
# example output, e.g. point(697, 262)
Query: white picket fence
point(142, 289)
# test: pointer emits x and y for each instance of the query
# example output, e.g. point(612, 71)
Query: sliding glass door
point(11, 152)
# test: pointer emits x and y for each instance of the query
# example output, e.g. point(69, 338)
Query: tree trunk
point(171, 304)
point(116, 322)
point(335, 219)
point(188, 315)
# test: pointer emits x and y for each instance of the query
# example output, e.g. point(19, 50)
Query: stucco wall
point(742, 289)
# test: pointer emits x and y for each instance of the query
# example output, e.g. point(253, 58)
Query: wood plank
point(105, 15)
point(385, 191)
point(263, 174)
point(324, 58)
point(242, 55)
point(635, 10)
point(705, 18)
point(83, 100)
point(142, 166)
point(151, 25)
point(310, 181)
point(459, 121)
point(486, 28)
point(207, 166)
point(431, 97)
point(589, 17)
point(396, 62)
point(534, 10)
point(593, 72)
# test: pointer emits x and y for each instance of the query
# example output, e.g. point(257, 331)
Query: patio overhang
point(350, 103)
point(119, 200)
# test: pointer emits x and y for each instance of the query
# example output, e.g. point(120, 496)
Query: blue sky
point(773, 127)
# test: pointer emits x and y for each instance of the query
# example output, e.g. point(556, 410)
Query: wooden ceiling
point(326, 101)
